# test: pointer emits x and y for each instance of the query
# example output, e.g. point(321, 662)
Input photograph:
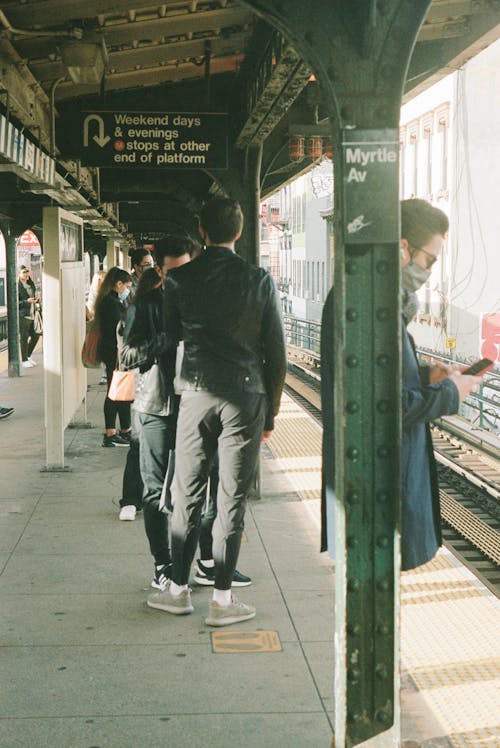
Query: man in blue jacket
point(233, 370)
point(428, 393)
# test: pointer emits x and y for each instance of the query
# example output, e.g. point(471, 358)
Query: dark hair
point(222, 219)
point(147, 282)
point(173, 245)
point(420, 221)
point(136, 255)
point(108, 284)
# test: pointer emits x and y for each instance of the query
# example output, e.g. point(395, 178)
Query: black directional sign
point(370, 175)
point(155, 140)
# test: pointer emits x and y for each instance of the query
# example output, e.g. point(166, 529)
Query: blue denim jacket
point(420, 511)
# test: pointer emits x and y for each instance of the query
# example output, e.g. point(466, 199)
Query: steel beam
point(125, 61)
point(153, 27)
point(151, 76)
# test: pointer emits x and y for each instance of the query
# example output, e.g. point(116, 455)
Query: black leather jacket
point(227, 312)
point(140, 350)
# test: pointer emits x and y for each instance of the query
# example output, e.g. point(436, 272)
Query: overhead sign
point(22, 157)
point(370, 176)
point(177, 140)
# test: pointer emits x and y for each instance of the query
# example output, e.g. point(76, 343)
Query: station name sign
point(158, 140)
point(370, 177)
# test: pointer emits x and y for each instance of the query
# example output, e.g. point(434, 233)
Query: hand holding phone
point(479, 368)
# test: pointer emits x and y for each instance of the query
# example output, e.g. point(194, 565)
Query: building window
point(427, 132)
point(412, 133)
point(443, 124)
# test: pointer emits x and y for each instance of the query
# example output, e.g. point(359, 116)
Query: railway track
point(469, 479)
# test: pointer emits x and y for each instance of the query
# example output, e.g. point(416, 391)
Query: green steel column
point(252, 214)
point(14, 350)
point(359, 53)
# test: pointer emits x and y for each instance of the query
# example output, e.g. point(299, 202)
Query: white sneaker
point(128, 512)
point(27, 364)
point(225, 615)
point(177, 604)
point(32, 361)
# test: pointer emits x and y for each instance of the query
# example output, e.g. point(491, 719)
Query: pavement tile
point(12, 528)
point(321, 659)
point(312, 613)
point(58, 574)
point(83, 537)
point(103, 680)
point(162, 730)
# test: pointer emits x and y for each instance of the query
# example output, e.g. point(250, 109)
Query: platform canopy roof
point(65, 59)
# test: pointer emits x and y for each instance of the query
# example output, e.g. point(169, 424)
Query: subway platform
point(84, 663)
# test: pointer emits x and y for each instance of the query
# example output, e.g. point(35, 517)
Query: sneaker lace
point(236, 602)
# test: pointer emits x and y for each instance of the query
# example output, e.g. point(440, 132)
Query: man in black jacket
point(232, 375)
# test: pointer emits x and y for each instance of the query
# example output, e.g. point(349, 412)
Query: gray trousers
point(234, 425)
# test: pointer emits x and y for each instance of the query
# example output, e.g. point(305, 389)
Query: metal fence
point(303, 333)
point(481, 408)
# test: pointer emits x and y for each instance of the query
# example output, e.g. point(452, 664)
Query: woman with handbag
point(29, 300)
point(108, 313)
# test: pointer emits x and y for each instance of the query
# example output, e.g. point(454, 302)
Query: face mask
point(123, 294)
point(409, 305)
point(413, 277)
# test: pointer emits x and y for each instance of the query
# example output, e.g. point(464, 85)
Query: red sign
point(490, 336)
point(28, 240)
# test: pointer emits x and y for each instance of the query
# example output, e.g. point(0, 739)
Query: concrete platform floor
point(84, 663)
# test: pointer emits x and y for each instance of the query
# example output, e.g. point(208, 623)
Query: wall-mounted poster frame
point(70, 241)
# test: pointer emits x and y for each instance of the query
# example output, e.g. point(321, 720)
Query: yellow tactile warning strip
point(296, 447)
point(451, 648)
point(239, 642)
point(450, 640)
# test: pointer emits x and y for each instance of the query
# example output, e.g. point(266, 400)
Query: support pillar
point(360, 53)
point(64, 328)
point(14, 348)
point(252, 212)
point(111, 254)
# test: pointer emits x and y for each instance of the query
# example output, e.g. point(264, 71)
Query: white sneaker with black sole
point(205, 575)
point(161, 576)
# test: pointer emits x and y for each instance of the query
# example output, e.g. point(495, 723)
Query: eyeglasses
point(431, 258)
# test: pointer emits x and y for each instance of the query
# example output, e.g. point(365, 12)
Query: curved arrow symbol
point(101, 139)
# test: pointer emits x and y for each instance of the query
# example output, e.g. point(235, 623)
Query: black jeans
point(209, 511)
point(235, 425)
point(132, 486)
point(27, 337)
point(112, 408)
point(157, 438)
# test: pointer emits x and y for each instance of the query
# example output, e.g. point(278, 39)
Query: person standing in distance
point(233, 370)
point(28, 299)
point(141, 260)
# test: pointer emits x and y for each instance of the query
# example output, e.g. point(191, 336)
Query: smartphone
point(480, 367)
